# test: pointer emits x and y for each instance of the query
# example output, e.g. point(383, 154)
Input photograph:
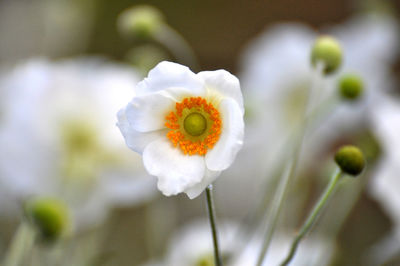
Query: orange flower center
point(195, 126)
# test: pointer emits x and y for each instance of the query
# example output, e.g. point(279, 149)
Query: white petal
point(231, 140)
point(147, 113)
point(280, 52)
point(135, 140)
point(170, 75)
point(175, 171)
point(196, 190)
point(224, 83)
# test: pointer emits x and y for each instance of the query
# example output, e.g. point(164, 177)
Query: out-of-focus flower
point(188, 127)
point(313, 251)
point(192, 245)
point(58, 136)
point(276, 75)
point(385, 184)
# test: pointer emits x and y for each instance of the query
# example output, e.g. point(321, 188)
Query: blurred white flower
point(313, 251)
point(192, 245)
point(276, 75)
point(58, 136)
point(188, 127)
point(385, 183)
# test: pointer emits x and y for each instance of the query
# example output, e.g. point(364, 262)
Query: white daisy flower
point(188, 127)
point(57, 136)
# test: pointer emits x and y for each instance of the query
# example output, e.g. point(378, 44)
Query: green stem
point(214, 231)
point(313, 216)
point(21, 244)
point(276, 209)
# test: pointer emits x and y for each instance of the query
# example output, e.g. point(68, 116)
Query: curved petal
point(147, 113)
point(135, 140)
point(169, 75)
point(231, 140)
point(175, 171)
point(196, 190)
point(224, 83)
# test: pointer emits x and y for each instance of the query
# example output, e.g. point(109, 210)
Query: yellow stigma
point(195, 124)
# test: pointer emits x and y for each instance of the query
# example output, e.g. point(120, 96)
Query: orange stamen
point(176, 136)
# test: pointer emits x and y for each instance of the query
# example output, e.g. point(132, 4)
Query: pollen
point(195, 126)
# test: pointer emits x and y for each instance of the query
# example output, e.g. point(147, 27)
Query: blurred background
point(68, 66)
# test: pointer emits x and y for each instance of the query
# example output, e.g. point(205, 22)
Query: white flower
point(384, 186)
point(192, 245)
point(276, 74)
point(188, 127)
point(313, 251)
point(58, 138)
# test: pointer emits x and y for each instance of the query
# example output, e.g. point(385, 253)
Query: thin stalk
point(313, 216)
point(288, 176)
point(214, 231)
point(21, 244)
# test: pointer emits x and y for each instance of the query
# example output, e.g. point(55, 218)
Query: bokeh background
point(219, 32)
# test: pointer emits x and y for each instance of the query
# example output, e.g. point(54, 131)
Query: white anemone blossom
point(313, 251)
point(188, 127)
point(192, 245)
point(385, 182)
point(384, 186)
point(57, 137)
point(276, 75)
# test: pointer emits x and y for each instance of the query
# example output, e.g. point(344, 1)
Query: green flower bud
point(50, 216)
point(140, 21)
point(351, 87)
point(328, 51)
point(350, 159)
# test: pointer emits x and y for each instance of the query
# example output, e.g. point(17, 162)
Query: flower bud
point(351, 87)
point(350, 160)
point(140, 21)
point(50, 216)
point(328, 51)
